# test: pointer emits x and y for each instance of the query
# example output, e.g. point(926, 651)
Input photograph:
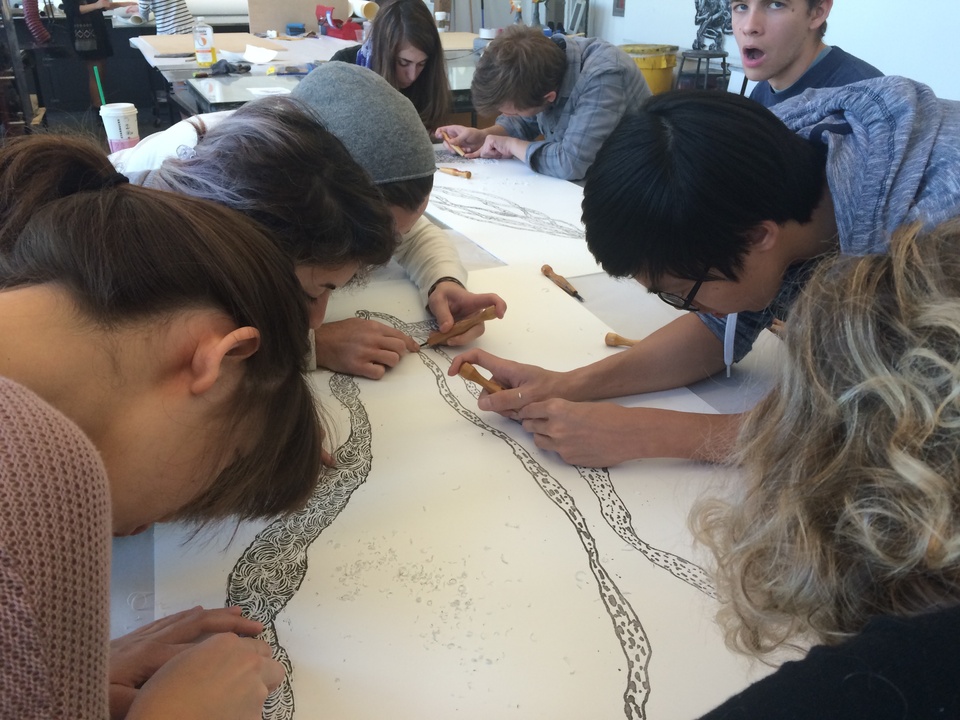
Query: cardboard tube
point(364, 9)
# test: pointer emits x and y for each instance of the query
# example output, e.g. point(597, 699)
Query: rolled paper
point(364, 9)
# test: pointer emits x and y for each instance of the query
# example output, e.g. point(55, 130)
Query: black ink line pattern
point(272, 568)
point(497, 210)
point(627, 626)
point(618, 518)
point(617, 515)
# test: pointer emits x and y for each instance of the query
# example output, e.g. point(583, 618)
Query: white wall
point(916, 39)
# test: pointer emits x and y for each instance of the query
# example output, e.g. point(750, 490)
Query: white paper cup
point(120, 122)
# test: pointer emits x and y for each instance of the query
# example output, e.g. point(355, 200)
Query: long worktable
point(448, 567)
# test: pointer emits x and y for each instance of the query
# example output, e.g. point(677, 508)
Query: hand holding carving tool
point(469, 372)
point(561, 282)
point(461, 326)
point(456, 148)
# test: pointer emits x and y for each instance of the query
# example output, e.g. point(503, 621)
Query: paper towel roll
point(364, 9)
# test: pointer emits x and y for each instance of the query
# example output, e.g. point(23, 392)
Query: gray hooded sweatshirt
point(893, 157)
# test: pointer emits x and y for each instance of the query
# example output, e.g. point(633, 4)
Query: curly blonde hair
point(851, 507)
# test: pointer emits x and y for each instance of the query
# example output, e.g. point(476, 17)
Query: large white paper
point(449, 568)
point(512, 212)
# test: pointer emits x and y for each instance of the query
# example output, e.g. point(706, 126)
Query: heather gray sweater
point(893, 157)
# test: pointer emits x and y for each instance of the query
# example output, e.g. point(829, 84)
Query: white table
point(419, 586)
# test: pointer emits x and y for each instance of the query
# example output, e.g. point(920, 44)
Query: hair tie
point(187, 152)
point(114, 180)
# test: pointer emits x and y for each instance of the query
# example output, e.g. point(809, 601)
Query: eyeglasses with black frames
point(678, 301)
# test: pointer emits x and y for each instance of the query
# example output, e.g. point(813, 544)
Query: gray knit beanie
point(379, 127)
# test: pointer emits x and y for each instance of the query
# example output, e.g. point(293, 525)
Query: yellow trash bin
point(656, 62)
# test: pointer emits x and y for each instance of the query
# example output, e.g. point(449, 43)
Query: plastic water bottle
point(203, 43)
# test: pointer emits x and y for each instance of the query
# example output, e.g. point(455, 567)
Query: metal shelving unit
point(17, 113)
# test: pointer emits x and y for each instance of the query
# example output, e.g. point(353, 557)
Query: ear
point(765, 236)
point(213, 352)
point(820, 14)
point(550, 97)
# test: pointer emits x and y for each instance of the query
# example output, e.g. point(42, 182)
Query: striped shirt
point(173, 17)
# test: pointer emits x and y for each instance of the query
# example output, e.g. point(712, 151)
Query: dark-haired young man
point(719, 206)
point(781, 47)
point(571, 90)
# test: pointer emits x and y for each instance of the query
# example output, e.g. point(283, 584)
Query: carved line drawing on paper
point(272, 568)
point(497, 210)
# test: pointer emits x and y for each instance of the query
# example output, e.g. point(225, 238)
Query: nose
point(749, 22)
point(318, 310)
point(409, 75)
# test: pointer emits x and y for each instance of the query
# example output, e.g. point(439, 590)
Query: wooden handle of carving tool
point(560, 281)
point(459, 173)
point(469, 372)
point(461, 326)
point(614, 340)
point(456, 148)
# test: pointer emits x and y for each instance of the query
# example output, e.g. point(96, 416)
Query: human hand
point(135, 657)
point(450, 300)
point(361, 347)
point(503, 147)
point(522, 384)
point(225, 676)
point(467, 139)
point(592, 434)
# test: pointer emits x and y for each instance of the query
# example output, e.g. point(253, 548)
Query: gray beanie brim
point(379, 127)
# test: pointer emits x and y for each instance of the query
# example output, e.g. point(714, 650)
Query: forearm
point(693, 436)
point(569, 149)
point(515, 127)
point(427, 254)
point(676, 355)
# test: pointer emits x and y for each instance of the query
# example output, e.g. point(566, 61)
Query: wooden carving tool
point(461, 326)
point(459, 173)
point(561, 282)
point(456, 148)
point(614, 340)
point(469, 372)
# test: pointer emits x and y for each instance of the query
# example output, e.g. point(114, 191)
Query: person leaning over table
point(223, 157)
point(139, 373)
point(847, 532)
point(719, 206)
point(571, 90)
point(404, 48)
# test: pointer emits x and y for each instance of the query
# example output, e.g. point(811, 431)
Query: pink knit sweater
point(54, 563)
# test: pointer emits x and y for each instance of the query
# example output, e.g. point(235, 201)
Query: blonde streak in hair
point(764, 586)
